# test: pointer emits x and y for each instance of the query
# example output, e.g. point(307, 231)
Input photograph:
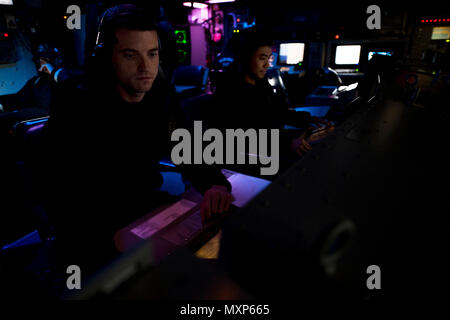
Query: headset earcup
point(159, 49)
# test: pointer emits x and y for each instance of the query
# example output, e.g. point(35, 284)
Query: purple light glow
point(38, 127)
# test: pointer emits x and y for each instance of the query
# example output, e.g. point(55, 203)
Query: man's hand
point(322, 131)
point(300, 145)
point(216, 200)
point(318, 122)
point(45, 66)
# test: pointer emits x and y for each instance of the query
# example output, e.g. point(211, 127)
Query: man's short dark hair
point(126, 16)
point(245, 45)
point(252, 41)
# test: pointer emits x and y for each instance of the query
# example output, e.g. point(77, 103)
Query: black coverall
point(102, 166)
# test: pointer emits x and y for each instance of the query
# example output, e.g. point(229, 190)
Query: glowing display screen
point(291, 53)
point(347, 54)
point(440, 33)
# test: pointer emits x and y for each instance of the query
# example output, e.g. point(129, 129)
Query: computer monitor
point(440, 33)
point(6, 2)
point(383, 53)
point(291, 53)
point(347, 55)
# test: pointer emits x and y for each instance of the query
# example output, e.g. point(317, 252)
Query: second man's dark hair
point(246, 43)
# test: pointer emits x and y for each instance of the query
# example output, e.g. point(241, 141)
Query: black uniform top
point(243, 105)
point(102, 164)
point(254, 106)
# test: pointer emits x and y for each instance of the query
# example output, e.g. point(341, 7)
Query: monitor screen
point(291, 53)
point(440, 33)
point(6, 2)
point(347, 54)
point(383, 53)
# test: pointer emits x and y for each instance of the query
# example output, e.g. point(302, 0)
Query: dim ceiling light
point(218, 1)
point(197, 5)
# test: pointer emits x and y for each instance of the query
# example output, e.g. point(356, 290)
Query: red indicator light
point(217, 37)
point(434, 20)
point(336, 36)
point(6, 35)
point(238, 20)
point(422, 21)
point(439, 20)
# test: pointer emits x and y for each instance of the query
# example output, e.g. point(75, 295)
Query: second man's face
point(259, 62)
point(135, 59)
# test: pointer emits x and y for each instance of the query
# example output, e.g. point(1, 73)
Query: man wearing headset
point(104, 162)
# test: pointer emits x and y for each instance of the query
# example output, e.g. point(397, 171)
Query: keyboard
point(179, 224)
point(345, 70)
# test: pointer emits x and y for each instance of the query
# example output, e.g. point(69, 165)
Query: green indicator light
point(180, 36)
point(357, 70)
point(182, 54)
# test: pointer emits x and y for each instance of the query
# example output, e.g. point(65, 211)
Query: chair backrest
point(369, 87)
point(276, 81)
point(195, 76)
point(29, 129)
point(332, 77)
point(199, 108)
point(29, 140)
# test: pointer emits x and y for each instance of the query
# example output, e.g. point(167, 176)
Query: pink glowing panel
point(199, 15)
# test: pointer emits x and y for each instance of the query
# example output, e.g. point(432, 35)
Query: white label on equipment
point(163, 219)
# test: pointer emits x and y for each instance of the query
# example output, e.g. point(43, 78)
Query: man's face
point(135, 60)
point(259, 62)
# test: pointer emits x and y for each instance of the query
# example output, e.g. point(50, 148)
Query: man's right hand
point(45, 66)
point(320, 122)
point(300, 145)
point(216, 200)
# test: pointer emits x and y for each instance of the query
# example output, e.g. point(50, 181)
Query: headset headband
point(114, 13)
